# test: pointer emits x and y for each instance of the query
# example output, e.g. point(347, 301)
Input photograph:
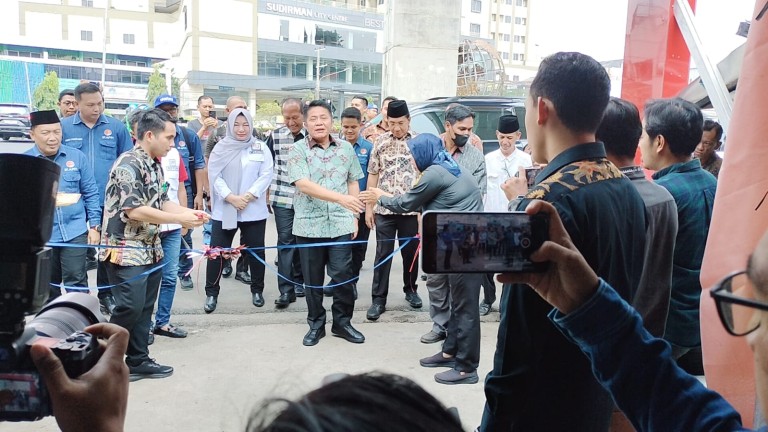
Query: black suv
point(14, 121)
point(429, 116)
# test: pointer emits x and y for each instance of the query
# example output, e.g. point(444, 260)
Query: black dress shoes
point(227, 270)
point(285, 300)
point(243, 277)
point(210, 304)
point(107, 305)
point(413, 299)
point(258, 300)
point(349, 333)
point(313, 336)
point(300, 291)
point(375, 311)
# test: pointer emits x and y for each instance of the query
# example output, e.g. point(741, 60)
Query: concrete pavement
point(240, 355)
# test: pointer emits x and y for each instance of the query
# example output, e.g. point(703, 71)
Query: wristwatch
point(96, 228)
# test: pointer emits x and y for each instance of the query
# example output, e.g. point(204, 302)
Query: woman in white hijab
point(239, 171)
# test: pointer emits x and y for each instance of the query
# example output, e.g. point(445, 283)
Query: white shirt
point(499, 169)
point(170, 164)
point(256, 177)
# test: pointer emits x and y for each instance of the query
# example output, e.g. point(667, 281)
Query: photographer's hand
point(569, 281)
point(98, 399)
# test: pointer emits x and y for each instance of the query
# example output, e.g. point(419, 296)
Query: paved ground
point(239, 355)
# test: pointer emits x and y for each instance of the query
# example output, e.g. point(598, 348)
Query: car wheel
point(7, 138)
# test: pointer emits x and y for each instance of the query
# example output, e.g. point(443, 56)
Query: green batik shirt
point(332, 168)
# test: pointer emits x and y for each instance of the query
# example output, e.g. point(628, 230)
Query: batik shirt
point(391, 159)
point(135, 181)
point(332, 168)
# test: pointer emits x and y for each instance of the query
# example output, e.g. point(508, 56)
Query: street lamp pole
point(104, 50)
point(317, 72)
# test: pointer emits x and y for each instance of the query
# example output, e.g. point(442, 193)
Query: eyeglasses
point(735, 300)
point(69, 103)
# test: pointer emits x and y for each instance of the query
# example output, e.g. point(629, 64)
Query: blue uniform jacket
point(363, 149)
point(76, 177)
point(101, 145)
point(638, 369)
point(187, 149)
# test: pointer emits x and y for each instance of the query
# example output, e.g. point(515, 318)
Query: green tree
point(175, 86)
point(46, 96)
point(156, 85)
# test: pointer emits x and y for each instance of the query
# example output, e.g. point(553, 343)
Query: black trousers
point(134, 299)
point(68, 266)
point(337, 260)
point(463, 338)
point(252, 234)
point(390, 227)
point(288, 261)
point(359, 249)
point(489, 288)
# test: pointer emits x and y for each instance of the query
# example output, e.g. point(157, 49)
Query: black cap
point(397, 109)
point(43, 117)
point(508, 123)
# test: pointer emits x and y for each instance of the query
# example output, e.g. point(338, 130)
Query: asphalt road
point(15, 145)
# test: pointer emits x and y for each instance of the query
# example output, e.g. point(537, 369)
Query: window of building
point(522, 39)
point(505, 55)
point(493, 35)
point(501, 18)
point(523, 3)
point(521, 21)
point(129, 39)
point(86, 35)
point(509, 2)
point(362, 3)
point(87, 3)
point(474, 29)
point(477, 6)
point(515, 78)
point(517, 38)
point(381, 2)
point(506, 37)
point(493, 17)
point(508, 19)
point(284, 34)
point(522, 57)
point(515, 56)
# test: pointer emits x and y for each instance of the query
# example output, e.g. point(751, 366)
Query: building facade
point(69, 37)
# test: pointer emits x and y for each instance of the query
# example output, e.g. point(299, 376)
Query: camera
point(24, 288)
point(212, 114)
point(474, 242)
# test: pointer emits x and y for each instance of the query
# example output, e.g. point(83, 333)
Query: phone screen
point(212, 114)
point(530, 175)
point(471, 242)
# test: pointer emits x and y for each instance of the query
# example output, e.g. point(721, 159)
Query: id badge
point(256, 157)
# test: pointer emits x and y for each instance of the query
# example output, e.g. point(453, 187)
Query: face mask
point(461, 140)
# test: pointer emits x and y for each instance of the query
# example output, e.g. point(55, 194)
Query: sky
point(597, 27)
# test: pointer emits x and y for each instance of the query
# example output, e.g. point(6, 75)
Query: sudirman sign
point(324, 14)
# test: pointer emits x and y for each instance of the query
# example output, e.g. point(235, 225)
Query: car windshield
point(13, 110)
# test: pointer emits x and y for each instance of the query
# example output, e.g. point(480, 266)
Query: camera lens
point(525, 242)
point(67, 314)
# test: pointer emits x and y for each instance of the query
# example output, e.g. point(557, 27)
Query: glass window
point(474, 29)
point(515, 56)
point(86, 35)
point(329, 37)
point(87, 3)
point(129, 39)
point(477, 6)
point(517, 38)
point(505, 55)
point(508, 19)
point(522, 57)
point(506, 37)
point(284, 34)
point(493, 17)
point(427, 123)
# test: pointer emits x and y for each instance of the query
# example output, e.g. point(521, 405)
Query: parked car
point(14, 121)
point(429, 116)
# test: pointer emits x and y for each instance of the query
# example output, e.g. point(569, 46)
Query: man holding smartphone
point(207, 123)
point(537, 371)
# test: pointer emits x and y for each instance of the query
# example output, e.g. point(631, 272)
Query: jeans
point(391, 227)
point(171, 241)
point(134, 298)
point(288, 260)
point(185, 263)
point(338, 260)
point(68, 267)
point(252, 234)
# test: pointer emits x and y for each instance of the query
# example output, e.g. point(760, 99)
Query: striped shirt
point(280, 142)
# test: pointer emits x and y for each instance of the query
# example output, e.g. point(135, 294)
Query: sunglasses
point(735, 300)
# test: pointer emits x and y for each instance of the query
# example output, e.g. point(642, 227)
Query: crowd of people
point(627, 251)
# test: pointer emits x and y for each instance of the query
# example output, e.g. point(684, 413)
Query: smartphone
point(473, 242)
point(212, 114)
point(530, 175)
